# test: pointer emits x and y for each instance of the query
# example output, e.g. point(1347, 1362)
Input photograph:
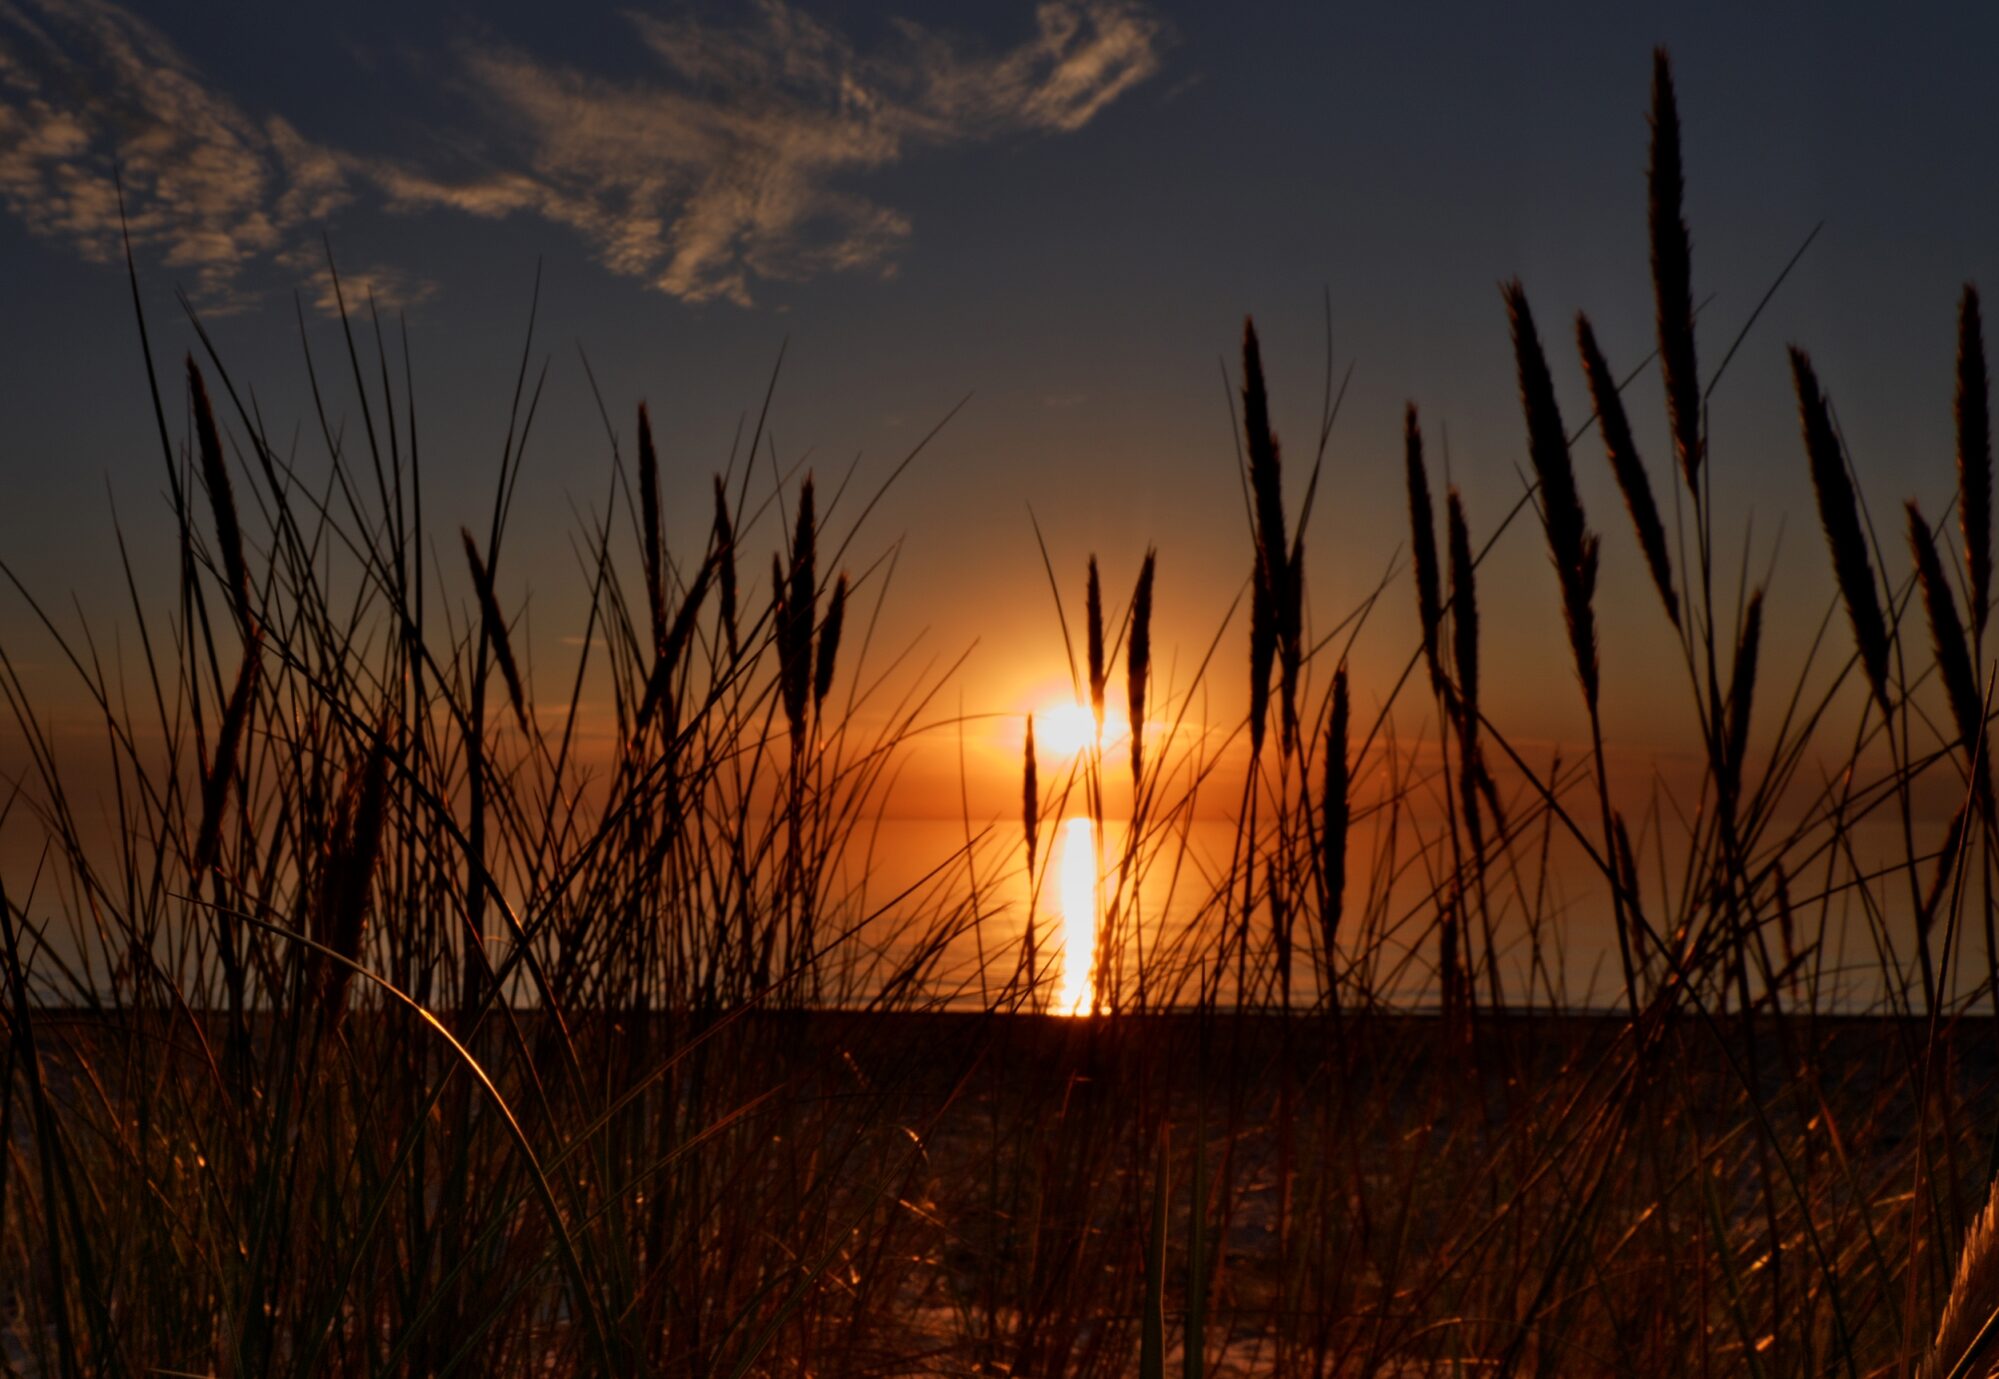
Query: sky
point(1058, 215)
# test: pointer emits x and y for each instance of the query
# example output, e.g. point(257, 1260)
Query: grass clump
point(380, 1033)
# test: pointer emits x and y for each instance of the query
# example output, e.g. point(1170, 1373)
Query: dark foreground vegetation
point(399, 1024)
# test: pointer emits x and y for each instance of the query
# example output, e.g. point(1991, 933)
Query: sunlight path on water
point(1076, 905)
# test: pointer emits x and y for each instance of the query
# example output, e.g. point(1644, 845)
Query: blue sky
point(1062, 211)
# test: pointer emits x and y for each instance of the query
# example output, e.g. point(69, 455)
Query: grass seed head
point(792, 683)
point(222, 766)
point(1946, 872)
point(1974, 1298)
point(1626, 466)
point(1625, 858)
point(655, 557)
point(829, 642)
point(221, 500)
point(1266, 476)
point(1741, 695)
point(1839, 514)
point(1030, 797)
point(1974, 456)
point(799, 608)
point(1953, 657)
point(1138, 661)
point(350, 871)
point(660, 684)
point(1263, 628)
point(1672, 273)
point(1423, 543)
point(723, 542)
point(1464, 614)
point(1291, 641)
point(1787, 923)
point(1267, 619)
point(1570, 544)
point(1335, 816)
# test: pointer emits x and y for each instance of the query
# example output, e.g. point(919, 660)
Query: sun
point(1064, 728)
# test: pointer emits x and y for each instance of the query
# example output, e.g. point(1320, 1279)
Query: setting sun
point(1066, 729)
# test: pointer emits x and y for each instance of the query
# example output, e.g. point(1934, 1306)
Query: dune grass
point(396, 1025)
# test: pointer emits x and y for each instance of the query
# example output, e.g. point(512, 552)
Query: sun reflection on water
point(1076, 905)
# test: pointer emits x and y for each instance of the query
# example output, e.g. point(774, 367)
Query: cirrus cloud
point(737, 159)
point(87, 88)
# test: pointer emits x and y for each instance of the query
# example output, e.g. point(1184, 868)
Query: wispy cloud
point(383, 286)
point(737, 160)
point(85, 88)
